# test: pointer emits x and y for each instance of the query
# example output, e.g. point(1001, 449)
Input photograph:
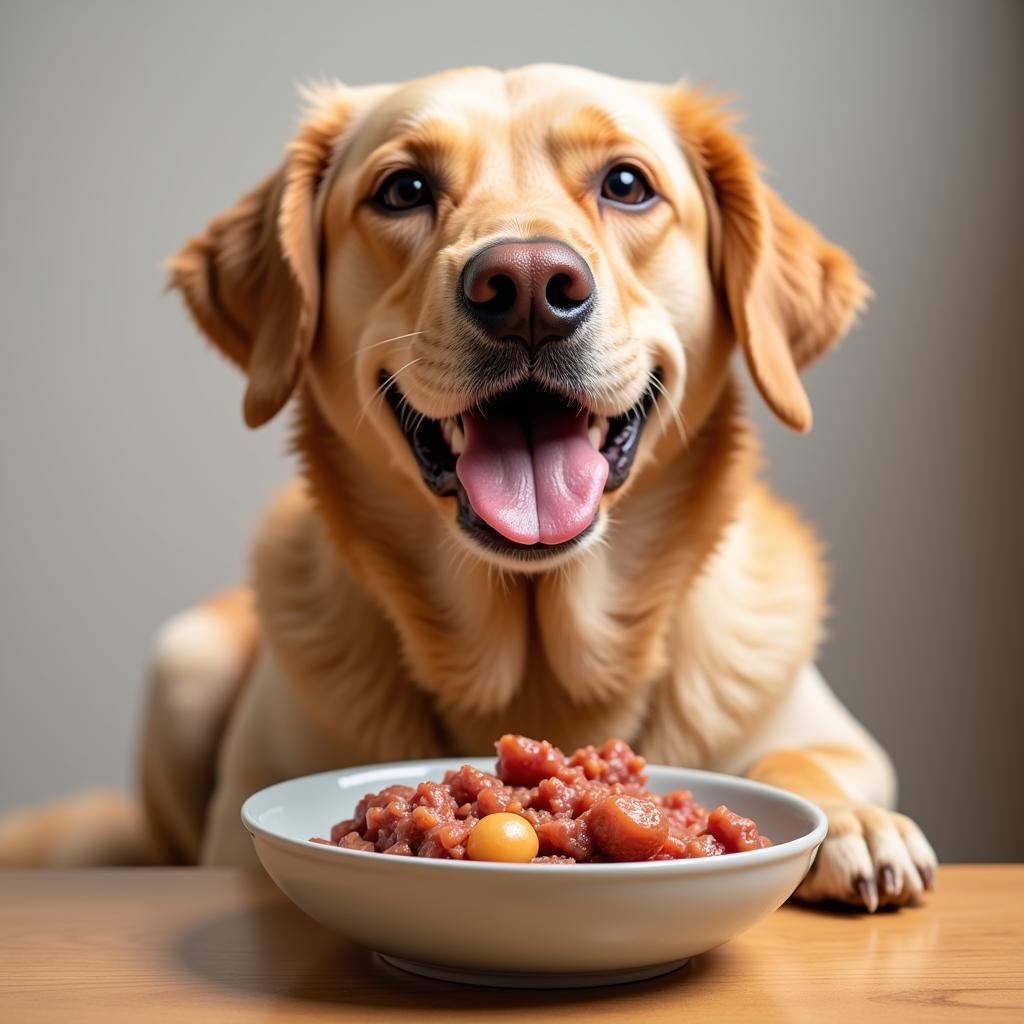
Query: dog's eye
point(626, 186)
point(404, 190)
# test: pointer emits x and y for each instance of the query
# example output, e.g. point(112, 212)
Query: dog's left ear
point(791, 295)
point(251, 280)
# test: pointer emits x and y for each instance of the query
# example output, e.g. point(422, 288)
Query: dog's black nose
point(532, 292)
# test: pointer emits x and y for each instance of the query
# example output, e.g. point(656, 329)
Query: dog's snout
point(532, 291)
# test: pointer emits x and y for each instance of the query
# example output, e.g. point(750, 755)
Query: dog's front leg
point(872, 856)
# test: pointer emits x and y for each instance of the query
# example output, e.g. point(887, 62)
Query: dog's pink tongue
point(569, 475)
point(544, 487)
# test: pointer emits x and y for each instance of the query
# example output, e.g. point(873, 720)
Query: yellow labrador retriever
point(506, 304)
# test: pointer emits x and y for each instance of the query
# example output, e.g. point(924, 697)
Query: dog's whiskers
point(674, 412)
point(661, 418)
point(407, 412)
point(385, 341)
point(498, 576)
point(382, 388)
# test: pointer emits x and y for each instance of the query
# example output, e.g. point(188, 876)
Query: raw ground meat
point(590, 808)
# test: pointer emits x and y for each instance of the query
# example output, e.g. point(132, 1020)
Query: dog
point(506, 305)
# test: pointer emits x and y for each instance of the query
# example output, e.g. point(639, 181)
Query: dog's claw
point(868, 892)
point(927, 876)
point(887, 880)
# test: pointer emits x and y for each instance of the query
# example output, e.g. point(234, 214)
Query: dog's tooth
point(594, 435)
point(458, 440)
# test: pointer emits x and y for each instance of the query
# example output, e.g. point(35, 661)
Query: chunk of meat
point(614, 762)
point(736, 833)
point(526, 762)
point(568, 836)
point(686, 847)
point(627, 828)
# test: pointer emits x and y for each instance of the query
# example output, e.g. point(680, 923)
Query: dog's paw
point(870, 858)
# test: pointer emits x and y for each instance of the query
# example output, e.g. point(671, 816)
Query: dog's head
point(519, 288)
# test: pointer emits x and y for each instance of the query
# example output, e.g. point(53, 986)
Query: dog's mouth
point(528, 466)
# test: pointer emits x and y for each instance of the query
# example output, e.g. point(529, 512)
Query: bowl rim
point(381, 771)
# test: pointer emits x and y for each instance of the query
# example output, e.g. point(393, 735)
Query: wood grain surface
point(189, 944)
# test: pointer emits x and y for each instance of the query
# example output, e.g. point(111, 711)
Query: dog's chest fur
point(677, 633)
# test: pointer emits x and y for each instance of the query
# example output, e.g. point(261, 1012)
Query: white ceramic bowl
point(537, 925)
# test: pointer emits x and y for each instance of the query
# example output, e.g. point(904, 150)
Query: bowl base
point(515, 979)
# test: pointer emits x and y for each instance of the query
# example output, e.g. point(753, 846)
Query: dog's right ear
point(251, 280)
point(790, 294)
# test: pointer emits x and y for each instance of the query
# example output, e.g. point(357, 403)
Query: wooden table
point(194, 945)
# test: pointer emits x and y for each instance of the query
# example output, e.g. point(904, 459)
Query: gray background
point(129, 485)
